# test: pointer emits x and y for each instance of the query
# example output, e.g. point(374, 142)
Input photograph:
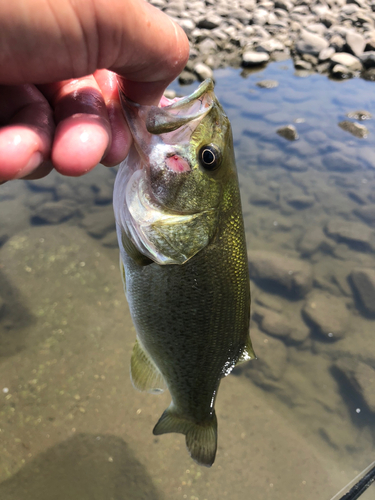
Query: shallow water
point(294, 424)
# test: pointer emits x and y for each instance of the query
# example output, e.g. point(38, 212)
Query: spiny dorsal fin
point(201, 438)
point(144, 374)
point(133, 252)
point(248, 352)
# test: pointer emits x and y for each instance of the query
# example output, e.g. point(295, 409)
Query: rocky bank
point(336, 37)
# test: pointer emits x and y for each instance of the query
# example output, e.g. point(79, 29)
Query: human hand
point(58, 107)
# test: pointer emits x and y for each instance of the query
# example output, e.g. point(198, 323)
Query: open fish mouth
point(177, 163)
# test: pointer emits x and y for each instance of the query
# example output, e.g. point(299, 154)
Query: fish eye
point(209, 157)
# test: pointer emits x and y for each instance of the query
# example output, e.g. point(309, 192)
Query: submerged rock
point(289, 132)
point(363, 284)
point(312, 241)
point(356, 129)
point(361, 376)
point(359, 115)
point(355, 234)
point(54, 212)
point(285, 274)
point(327, 313)
point(300, 202)
point(268, 84)
point(366, 213)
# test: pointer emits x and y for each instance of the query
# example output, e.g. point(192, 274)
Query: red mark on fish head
point(177, 164)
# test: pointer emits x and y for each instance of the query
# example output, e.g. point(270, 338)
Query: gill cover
point(166, 205)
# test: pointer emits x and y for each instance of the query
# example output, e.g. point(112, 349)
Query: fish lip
point(161, 120)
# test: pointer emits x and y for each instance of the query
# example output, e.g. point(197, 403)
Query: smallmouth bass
point(184, 262)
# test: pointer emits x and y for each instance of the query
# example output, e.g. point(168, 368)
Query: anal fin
point(144, 374)
point(247, 353)
point(201, 437)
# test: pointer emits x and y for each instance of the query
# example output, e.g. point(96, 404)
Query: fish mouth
point(177, 163)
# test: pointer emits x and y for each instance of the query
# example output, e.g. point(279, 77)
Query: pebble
point(356, 129)
point(363, 284)
point(359, 115)
point(203, 71)
point(284, 274)
point(54, 212)
point(268, 84)
point(252, 58)
point(356, 235)
point(327, 313)
point(289, 132)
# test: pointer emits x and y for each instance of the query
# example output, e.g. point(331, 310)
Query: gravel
point(250, 33)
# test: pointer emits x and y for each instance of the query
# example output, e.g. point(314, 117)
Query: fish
point(183, 257)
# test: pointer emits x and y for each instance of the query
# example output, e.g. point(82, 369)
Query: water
point(294, 424)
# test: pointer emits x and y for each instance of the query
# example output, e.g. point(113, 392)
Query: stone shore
point(334, 37)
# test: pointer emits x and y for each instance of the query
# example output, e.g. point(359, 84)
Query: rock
point(260, 17)
point(326, 54)
point(354, 234)
point(272, 359)
point(366, 213)
point(285, 274)
point(252, 58)
point(267, 301)
point(284, 4)
point(308, 43)
point(203, 71)
point(170, 93)
point(358, 197)
point(355, 43)
point(363, 284)
point(317, 28)
point(300, 64)
point(368, 59)
point(327, 313)
point(356, 129)
point(268, 84)
point(54, 212)
point(103, 193)
point(311, 241)
point(270, 45)
point(364, 375)
point(207, 46)
point(301, 201)
point(359, 115)
point(262, 198)
point(340, 71)
point(275, 324)
point(339, 162)
point(209, 22)
point(361, 376)
point(187, 25)
point(186, 78)
point(289, 132)
point(348, 60)
point(99, 222)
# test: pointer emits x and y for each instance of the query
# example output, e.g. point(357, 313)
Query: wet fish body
point(183, 253)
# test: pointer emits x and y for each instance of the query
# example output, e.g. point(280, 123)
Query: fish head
point(181, 161)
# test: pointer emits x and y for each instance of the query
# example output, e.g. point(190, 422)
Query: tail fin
point(201, 438)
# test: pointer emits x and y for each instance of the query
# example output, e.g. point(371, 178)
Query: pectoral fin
point(248, 352)
point(144, 374)
point(132, 250)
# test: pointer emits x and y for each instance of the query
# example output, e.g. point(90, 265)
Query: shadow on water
point(85, 467)
point(15, 319)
